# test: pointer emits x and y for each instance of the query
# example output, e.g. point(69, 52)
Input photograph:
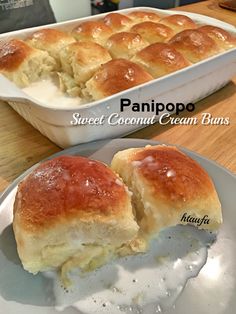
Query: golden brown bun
point(67, 204)
point(221, 37)
point(118, 22)
point(194, 45)
point(166, 184)
point(95, 31)
point(142, 16)
point(114, 77)
point(178, 22)
point(160, 59)
point(23, 64)
point(80, 61)
point(125, 45)
point(153, 32)
point(50, 40)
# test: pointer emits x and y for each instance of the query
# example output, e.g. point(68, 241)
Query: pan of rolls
point(87, 66)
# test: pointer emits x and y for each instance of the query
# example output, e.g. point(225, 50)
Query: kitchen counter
point(21, 145)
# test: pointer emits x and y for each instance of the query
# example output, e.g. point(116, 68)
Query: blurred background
point(72, 9)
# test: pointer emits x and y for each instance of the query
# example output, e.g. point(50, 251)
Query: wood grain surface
point(21, 145)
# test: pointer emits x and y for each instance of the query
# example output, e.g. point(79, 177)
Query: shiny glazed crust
point(67, 188)
point(194, 45)
point(178, 22)
point(13, 53)
point(221, 37)
point(125, 45)
point(95, 31)
point(153, 32)
point(115, 76)
point(118, 22)
point(160, 59)
point(142, 16)
point(49, 36)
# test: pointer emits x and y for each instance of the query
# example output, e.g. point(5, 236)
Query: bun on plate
point(169, 188)
point(160, 59)
point(125, 45)
point(71, 212)
point(50, 40)
point(153, 32)
point(95, 31)
point(115, 76)
point(194, 45)
point(23, 64)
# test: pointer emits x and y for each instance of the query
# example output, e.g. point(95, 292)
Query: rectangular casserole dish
point(187, 85)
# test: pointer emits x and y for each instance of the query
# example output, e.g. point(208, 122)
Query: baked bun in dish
point(118, 22)
point(23, 64)
point(160, 59)
point(80, 61)
point(115, 76)
point(221, 37)
point(50, 40)
point(71, 212)
point(125, 45)
point(95, 31)
point(169, 188)
point(195, 45)
point(153, 32)
point(142, 16)
point(178, 22)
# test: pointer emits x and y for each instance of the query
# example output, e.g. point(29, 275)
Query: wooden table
point(21, 145)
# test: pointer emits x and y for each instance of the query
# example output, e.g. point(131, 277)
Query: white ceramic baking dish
point(187, 85)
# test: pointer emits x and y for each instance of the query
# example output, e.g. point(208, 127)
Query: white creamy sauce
point(48, 94)
point(145, 283)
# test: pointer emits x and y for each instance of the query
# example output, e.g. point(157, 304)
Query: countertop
point(21, 145)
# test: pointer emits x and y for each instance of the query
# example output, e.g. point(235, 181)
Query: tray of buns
point(119, 226)
point(87, 66)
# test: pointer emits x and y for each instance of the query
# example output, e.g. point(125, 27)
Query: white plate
point(212, 291)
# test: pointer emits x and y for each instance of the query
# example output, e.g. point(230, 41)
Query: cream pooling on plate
point(147, 283)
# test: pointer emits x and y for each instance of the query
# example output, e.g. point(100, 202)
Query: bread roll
point(169, 188)
point(71, 212)
point(95, 31)
point(23, 64)
point(118, 22)
point(160, 59)
point(142, 16)
point(178, 22)
point(153, 32)
point(221, 37)
point(125, 45)
point(80, 61)
point(115, 76)
point(50, 40)
point(194, 45)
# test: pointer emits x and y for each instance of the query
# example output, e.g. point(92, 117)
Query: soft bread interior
point(37, 66)
point(79, 63)
point(86, 245)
